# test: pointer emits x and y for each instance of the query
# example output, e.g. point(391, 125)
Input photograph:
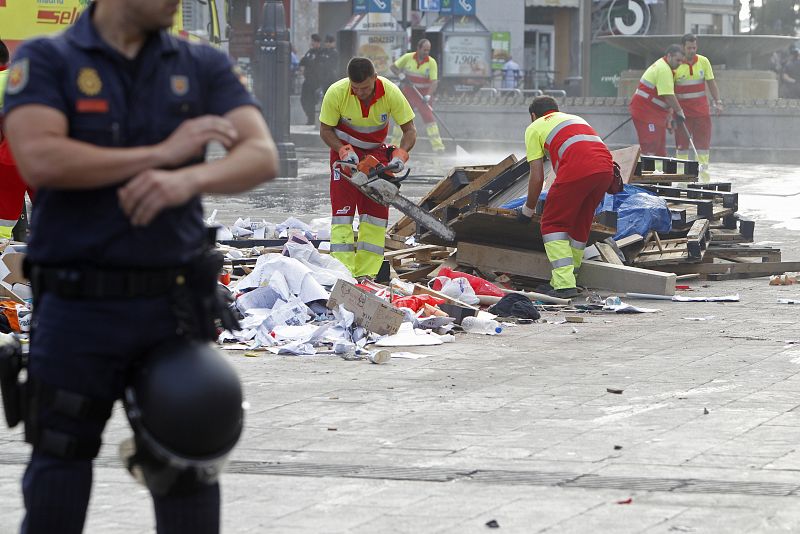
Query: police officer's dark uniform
point(101, 284)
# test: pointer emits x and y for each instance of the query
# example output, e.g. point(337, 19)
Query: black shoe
point(564, 293)
point(544, 288)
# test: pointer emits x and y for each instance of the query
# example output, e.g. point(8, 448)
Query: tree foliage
point(777, 17)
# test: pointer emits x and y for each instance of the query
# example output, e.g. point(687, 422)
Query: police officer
point(109, 121)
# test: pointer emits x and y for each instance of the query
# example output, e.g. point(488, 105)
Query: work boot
point(563, 293)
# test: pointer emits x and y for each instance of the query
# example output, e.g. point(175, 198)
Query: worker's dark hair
point(315, 38)
point(422, 42)
point(673, 49)
point(330, 38)
point(542, 104)
point(359, 69)
point(3, 53)
point(689, 37)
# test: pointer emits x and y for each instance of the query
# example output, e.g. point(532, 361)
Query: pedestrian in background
point(312, 79)
point(512, 74)
point(790, 76)
point(329, 63)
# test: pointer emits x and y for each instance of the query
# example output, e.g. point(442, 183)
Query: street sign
point(430, 5)
point(464, 7)
point(359, 6)
point(380, 6)
point(446, 7)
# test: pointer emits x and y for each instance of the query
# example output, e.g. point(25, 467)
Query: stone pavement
point(517, 428)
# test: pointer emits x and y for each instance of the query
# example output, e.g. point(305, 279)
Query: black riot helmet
point(185, 407)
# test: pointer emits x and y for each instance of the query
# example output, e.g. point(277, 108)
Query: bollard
point(271, 80)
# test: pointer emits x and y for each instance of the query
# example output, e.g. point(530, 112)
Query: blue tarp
point(638, 211)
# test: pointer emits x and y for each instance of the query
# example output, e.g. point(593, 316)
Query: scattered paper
point(788, 301)
point(704, 318)
point(726, 298)
point(407, 336)
point(409, 355)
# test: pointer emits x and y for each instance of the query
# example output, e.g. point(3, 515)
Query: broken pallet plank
point(591, 274)
point(697, 238)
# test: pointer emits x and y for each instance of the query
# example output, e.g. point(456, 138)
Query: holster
point(12, 362)
point(199, 303)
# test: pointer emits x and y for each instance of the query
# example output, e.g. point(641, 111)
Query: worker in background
point(584, 172)
point(109, 120)
point(354, 123)
point(652, 101)
point(419, 78)
point(691, 78)
point(12, 187)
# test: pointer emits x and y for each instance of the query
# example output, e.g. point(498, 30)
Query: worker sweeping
point(653, 99)
point(419, 77)
point(354, 123)
point(691, 78)
point(585, 171)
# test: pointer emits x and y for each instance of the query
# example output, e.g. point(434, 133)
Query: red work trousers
point(12, 188)
point(651, 128)
point(346, 198)
point(700, 128)
point(413, 96)
point(570, 206)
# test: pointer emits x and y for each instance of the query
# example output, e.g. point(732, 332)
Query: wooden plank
point(629, 240)
point(648, 178)
point(627, 158)
point(408, 228)
point(697, 238)
point(411, 250)
point(762, 269)
point(607, 253)
point(591, 274)
point(417, 274)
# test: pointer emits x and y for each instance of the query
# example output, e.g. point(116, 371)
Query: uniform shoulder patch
point(18, 76)
point(89, 82)
point(179, 85)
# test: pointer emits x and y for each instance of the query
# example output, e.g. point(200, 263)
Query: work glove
point(348, 155)
point(524, 214)
point(680, 118)
point(401, 76)
point(427, 99)
point(399, 158)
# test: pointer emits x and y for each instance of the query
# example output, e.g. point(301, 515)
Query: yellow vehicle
point(23, 19)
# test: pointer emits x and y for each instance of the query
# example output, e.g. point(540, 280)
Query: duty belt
point(97, 283)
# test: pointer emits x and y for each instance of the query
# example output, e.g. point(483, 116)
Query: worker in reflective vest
point(584, 172)
point(12, 188)
point(419, 77)
point(354, 123)
point(691, 78)
point(652, 101)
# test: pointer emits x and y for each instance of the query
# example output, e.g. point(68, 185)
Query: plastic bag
point(456, 288)
point(479, 285)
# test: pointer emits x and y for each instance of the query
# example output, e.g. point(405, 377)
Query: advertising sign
point(501, 49)
point(446, 7)
point(467, 55)
point(380, 6)
point(359, 6)
point(382, 49)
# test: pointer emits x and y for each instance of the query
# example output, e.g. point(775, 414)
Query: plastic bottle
point(474, 325)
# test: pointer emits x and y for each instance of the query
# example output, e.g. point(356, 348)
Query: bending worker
point(584, 172)
point(652, 101)
point(354, 123)
point(419, 77)
point(109, 121)
point(691, 78)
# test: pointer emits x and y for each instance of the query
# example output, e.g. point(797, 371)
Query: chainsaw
point(379, 183)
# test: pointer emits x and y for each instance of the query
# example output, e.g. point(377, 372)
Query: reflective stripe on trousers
point(7, 228)
point(369, 249)
point(343, 240)
point(565, 255)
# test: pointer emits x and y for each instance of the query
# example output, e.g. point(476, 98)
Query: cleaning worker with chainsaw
point(419, 78)
point(354, 123)
point(12, 188)
point(584, 169)
point(652, 101)
point(691, 78)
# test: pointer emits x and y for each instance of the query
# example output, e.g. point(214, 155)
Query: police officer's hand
point(189, 140)
point(150, 192)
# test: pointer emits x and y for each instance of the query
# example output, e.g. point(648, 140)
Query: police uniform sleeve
point(225, 90)
point(665, 83)
point(434, 74)
point(329, 112)
point(400, 108)
point(709, 72)
point(36, 77)
point(533, 145)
